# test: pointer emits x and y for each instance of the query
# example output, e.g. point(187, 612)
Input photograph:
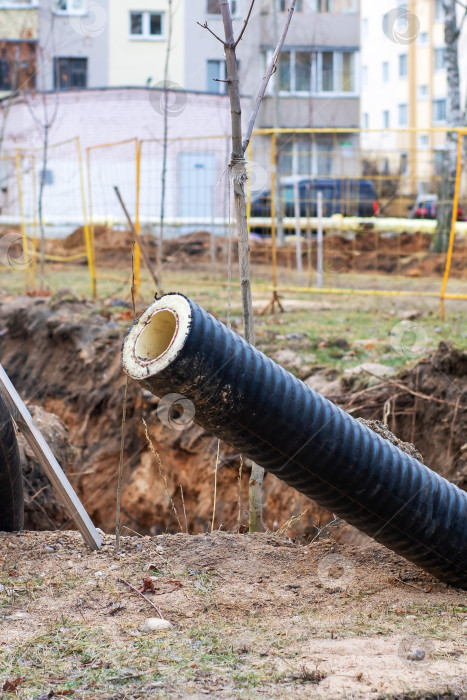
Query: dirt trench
point(64, 356)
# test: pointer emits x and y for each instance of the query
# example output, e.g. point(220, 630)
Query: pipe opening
point(156, 338)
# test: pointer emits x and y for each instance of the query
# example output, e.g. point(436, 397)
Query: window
point(284, 72)
point(366, 120)
point(69, 7)
point(440, 58)
point(146, 25)
point(216, 72)
point(5, 75)
point(385, 67)
point(423, 91)
point(404, 164)
point(423, 141)
point(402, 65)
point(439, 111)
point(403, 115)
point(216, 76)
point(215, 9)
point(18, 65)
point(365, 27)
point(327, 71)
point(438, 164)
point(70, 73)
point(423, 39)
point(348, 83)
point(385, 119)
point(316, 72)
point(302, 71)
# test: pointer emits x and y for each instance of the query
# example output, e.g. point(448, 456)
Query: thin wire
point(215, 486)
point(229, 254)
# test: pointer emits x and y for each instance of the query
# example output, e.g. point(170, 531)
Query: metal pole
point(319, 258)
point(298, 233)
point(88, 238)
point(48, 462)
point(460, 136)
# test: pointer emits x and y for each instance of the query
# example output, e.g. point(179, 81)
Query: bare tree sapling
point(238, 178)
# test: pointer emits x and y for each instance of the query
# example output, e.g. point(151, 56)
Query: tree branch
point(205, 26)
point(267, 77)
point(245, 24)
point(459, 30)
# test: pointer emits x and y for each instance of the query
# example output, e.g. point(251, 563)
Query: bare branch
point(269, 72)
point(245, 24)
point(461, 25)
point(205, 26)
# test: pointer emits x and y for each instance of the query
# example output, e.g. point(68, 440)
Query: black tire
point(11, 478)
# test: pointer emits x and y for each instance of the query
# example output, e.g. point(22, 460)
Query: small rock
point(416, 654)
point(70, 564)
point(49, 549)
point(17, 616)
point(154, 624)
point(288, 358)
point(98, 573)
point(373, 369)
point(410, 314)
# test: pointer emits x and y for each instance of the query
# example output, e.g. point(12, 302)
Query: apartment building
point(404, 86)
point(318, 74)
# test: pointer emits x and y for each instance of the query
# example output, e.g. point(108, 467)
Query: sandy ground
point(251, 615)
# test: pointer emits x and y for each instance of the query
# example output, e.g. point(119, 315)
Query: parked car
point(349, 197)
point(425, 208)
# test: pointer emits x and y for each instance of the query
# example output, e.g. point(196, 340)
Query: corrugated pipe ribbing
point(267, 414)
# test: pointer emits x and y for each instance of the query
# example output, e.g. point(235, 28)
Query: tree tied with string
point(238, 177)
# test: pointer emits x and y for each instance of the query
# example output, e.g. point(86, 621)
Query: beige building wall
point(18, 23)
point(140, 61)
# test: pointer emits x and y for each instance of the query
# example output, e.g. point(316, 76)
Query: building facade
point(404, 88)
point(317, 77)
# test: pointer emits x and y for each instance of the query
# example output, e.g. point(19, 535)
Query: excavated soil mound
point(367, 251)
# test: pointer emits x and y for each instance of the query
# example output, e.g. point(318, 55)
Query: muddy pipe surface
point(267, 414)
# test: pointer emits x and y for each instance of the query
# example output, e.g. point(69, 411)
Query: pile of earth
point(63, 355)
point(366, 251)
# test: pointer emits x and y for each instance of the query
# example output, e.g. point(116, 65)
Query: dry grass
point(251, 618)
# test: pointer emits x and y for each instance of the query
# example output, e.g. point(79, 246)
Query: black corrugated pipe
point(267, 414)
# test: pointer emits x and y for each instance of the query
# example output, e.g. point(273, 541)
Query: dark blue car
point(346, 196)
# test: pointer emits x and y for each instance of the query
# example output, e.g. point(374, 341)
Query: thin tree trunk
point(238, 175)
point(238, 178)
point(277, 182)
point(453, 118)
point(165, 143)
